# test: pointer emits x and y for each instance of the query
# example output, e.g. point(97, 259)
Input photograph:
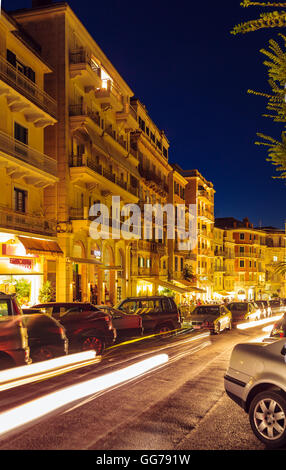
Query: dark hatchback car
point(159, 314)
point(86, 326)
point(46, 337)
point(126, 325)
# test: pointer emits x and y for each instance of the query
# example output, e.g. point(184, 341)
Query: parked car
point(267, 307)
point(243, 311)
point(258, 309)
point(276, 306)
point(46, 337)
point(159, 314)
point(213, 317)
point(263, 308)
point(256, 380)
point(86, 326)
point(125, 325)
point(14, 348)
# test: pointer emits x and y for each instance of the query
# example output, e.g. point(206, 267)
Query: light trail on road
point(31, 411)
point(17, 376)
point(252, 324)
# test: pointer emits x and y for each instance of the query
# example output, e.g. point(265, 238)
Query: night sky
point(181, 61)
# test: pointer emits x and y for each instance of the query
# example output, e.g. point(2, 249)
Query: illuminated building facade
point(28, 243)
point(106, 144)
point(250, 257)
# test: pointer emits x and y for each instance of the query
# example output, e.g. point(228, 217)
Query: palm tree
point(276, 64)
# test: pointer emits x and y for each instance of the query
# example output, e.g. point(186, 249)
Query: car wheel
point(267, 415)
point(94, 343)
point(217, 329)
point(163, 329)
point(42, 353)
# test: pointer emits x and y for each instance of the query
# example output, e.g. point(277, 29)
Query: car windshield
point(242, 307)
point(207, 310)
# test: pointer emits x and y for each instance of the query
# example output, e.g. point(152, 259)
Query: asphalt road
point(179, 406)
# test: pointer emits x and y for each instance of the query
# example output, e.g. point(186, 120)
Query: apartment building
point(275, 253)
point(219, 264)
point(28, 244)
point(200, 193)
point(250, 256)
point(93, 148)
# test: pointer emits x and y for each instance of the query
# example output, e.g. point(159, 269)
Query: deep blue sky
point(181, 61)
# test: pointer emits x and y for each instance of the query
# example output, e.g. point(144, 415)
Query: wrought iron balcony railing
point(16, 79)
point(26, 154)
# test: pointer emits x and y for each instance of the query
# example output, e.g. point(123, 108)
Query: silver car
point(256, 380)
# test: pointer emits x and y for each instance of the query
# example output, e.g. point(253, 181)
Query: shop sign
point(25, 263)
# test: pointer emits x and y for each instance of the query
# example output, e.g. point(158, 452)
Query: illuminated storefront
point(22, 265)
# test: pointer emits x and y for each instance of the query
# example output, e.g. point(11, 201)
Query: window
point(25, 70)
point(20, 200)
point(241, 249)
point(241, 236)
point(21, 133)
point(241, 263)
point(176, 263)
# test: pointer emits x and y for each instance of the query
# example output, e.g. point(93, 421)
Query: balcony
point(84, 69)
point(23, 95)
point(28, 223)
point(78, 111)
point(202, 193)
point(205, 215)
point(84, 168)
point(127, 116)
point(21, 161)
point(118, 139)
point(109, 95)
point(154, 182)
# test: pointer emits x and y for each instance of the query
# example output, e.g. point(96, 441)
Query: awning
point(223, 293)
point(167, 284)
point(40, 247)
point(189, 287)
point(111, 268)
point(84, 261)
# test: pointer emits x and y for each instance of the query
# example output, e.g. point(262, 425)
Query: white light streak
point(16, 376)
point(35, 409)
point(252, 324)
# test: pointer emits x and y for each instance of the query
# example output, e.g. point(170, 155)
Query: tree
point(46, 293)
point(276, 64)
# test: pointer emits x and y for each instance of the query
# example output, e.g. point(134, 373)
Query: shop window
point(20, 200)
